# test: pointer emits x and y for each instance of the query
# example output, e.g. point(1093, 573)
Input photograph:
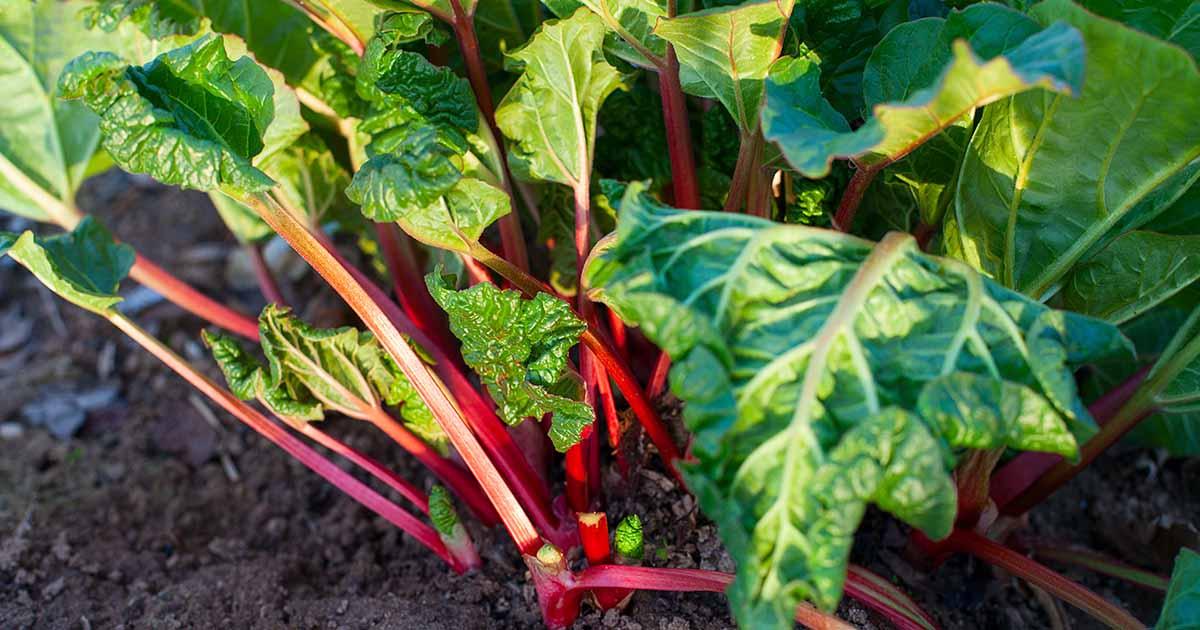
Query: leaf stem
point(1103, 564)
point(367, 463)
point(1075, 594)
point(684, 185)
point(683, 580)
point(431, 390)
point(262, 273)
point(463, 23)
point(183, 295)
point(144, 272)
point(457, 480)
point(749, 152)
point(422, 532)
point(332, 25)
point(852, 197)
point(410, 288)
point(881, 596)
point(527, 485)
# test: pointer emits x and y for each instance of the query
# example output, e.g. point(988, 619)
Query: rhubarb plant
point(1041, 154)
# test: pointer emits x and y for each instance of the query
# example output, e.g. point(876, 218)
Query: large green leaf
point(1181, 609)
point(1036, 192)
point(46, 141)
point(549, 114)
point(192, 117)
point(519, 347)
point(822, 372)
point(1177, 21)
point(1134, 273)
point(923, 77)
point(724, 53)
point(83, 266)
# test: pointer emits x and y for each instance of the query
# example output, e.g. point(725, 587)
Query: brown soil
point(152, 516)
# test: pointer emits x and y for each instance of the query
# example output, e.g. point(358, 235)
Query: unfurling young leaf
point(83, 266)
point(822, 372)
point(628, 540)
point(192, 117)
point(1037, 193)
point(313, 370)
point(923, 77)
point(550, 112)
point(519, 348)
point(1181, 609)
point(725, 53)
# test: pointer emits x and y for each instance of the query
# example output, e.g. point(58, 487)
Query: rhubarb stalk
point(431, 391)
point(370, 499)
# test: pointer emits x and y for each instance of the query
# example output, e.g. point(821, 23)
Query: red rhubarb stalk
point(1075, 594)
point(457, 480)
point(1018, 475)
point(367, 463)
point(430, 389)
point(409, 284)
point(263, 275)
point(181, 294)
point(853, 196)
point(463, 23)
point(370, 499)
point(528, 486)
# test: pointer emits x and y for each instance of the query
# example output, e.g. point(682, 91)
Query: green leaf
point(1176, 21)
point(83, 266)
point(1181, 609)
point(631, 24)
point(549, 114)
point(192, 117)
point(339, 369)
point(822, 372)
point(503, 25)
point(1134, 273)
point(923, 77)
point(1035, 194)
point(519, 349)
point(248, 380)
point(390, 76)
point(725, 53)
point(47, 142)
point(418, 186)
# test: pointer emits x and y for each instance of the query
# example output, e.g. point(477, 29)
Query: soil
point(157, 512)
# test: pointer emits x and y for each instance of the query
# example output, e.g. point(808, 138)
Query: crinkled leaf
point(390, 76)
point(192, 117)
point(1181, 609)
point(725, 53)
point(634, 143)
point(342, 369)
point(48, 140)
point(83, 266)
point(808, 361)
point(1047, 176)
point(557, 207)
point(919, 80)
point(519, 348)
point(422, 190)
point(549, 114)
